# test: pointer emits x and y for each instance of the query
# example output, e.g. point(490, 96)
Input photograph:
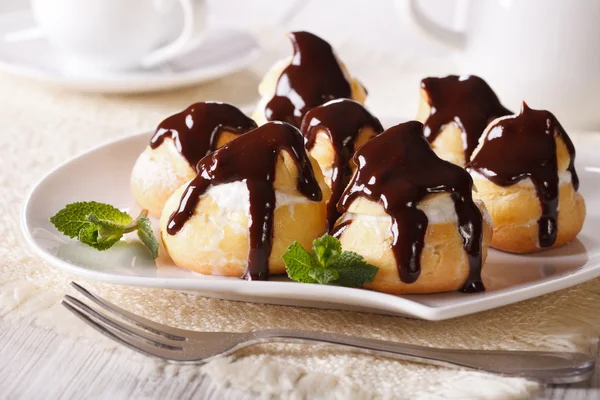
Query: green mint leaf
point(299, 263)
point(353, 270)
point(108, 231)
point(90, 235)
point(328, 265)
point(324, 275)
point(74, 217)
point(106, 224)
point(146, 235)
point(326, 249)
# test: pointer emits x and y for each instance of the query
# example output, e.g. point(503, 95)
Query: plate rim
point(394, 304)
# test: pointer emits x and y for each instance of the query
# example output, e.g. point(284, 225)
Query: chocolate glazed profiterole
point(532, 145)
point(398, 170)
point(467, 101)
point(347, 125)
point(251, 159)
point(197, 129)
point(313, 78)
point(178, 143)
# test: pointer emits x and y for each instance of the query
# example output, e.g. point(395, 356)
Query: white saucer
point(223, 51)
point(509, 278)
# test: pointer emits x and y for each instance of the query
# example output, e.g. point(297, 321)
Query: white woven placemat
point(41, 127)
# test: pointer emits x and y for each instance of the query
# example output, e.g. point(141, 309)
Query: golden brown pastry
point(250, 200)
point(311, 77)
point(455, 110)
point(333, 132)
point(411, 214)
point(524, 172)
point(180, 141)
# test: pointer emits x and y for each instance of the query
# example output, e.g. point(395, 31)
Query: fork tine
point(154, 327)
point(120, 326)
point(126, 341)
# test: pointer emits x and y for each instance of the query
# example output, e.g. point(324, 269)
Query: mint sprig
point(101, 225)
point(146, 235)
point(327, 264)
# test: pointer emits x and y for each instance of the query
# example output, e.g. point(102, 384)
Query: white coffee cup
point(119, 34)
point(546, 52)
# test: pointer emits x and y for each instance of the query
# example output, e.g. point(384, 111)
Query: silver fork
point(183, 346)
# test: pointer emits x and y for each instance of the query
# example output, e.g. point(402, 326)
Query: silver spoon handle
point(546, 367)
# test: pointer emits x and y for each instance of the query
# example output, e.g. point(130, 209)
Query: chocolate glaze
point(398, 169)
point(465, 100)
point(342, 119)
point(251, 158)
point(314, 77)
point(524, 147)
point(196, 130)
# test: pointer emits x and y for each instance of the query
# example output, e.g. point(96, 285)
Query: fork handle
point(543, 366)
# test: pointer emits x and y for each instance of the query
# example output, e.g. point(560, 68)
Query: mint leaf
point(90, 236)
point(146, 235)
point(101, 225)
point(299, 263)
point(328, 264)
point(353, 270)
point(326, 249)
point(106, 224)
point(108, 231)
point(74, 217)
point(324, 275)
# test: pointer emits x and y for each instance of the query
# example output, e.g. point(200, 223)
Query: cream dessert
point(455, 110)
point(333, 132)
point(180, 141)
point(251, 199)
point(524, 172)
point(411, 214)
point(311, 77)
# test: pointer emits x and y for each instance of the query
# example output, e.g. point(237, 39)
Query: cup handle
point(453, 38)
point(193, 19)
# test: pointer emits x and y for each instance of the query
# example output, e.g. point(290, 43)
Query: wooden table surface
point(36, 363)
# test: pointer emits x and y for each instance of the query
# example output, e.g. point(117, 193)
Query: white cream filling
point(439, 210)
point(564, 177)
point(234, 196)
point(327, 173)
point(230, 197)
point(372, 223)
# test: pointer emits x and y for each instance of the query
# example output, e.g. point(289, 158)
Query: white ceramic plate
point(509, 278)
point(222, 51)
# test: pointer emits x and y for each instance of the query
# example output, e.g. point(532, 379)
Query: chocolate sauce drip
point(398, 169)
point(524, 147)
point(465, 100)
point(342, 119)
point(251, 158)
point(196, 130)
point(314, 77)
